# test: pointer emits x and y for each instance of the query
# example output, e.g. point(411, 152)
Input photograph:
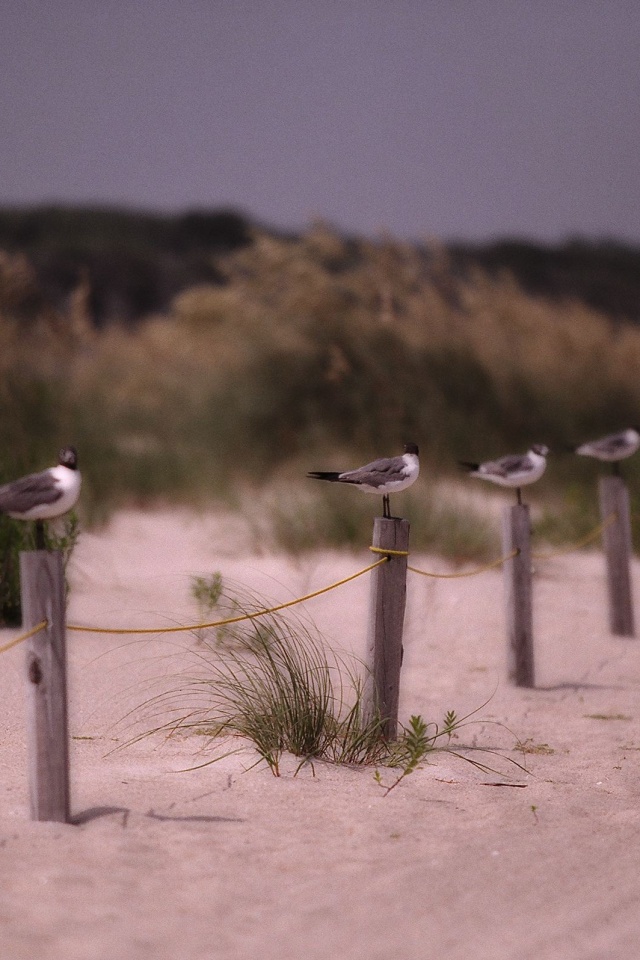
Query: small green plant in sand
point(414, 743)
point(420, 739)
point(214, 601)
point(206, 591)
point(279, 688)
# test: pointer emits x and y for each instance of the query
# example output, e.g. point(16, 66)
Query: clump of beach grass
point(275, 684)
point(269, 680)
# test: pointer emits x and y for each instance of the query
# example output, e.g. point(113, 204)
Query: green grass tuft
point(279, 688)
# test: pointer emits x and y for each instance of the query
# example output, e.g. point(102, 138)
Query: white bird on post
point(383, 477)
point(613, 448)
point(44, 496)
point(514, 470)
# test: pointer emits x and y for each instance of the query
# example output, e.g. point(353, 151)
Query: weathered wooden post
point(615, 514)
point(386, 619)
point(43, 598)
point(516, 543)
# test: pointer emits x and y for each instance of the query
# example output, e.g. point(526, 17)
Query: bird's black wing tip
point(322, 475)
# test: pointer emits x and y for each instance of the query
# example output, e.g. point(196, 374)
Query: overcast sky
point(468, 119)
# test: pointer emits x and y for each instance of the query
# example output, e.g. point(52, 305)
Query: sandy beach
point(230, 862)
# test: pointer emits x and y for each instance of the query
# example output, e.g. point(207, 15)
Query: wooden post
point(516, 535)
point(616, 535)
point(43, 598)
point(386, 618)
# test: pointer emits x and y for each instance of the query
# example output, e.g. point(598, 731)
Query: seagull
point(612, 448)
point(513, 470)
point(43, 496)
point(384, 476)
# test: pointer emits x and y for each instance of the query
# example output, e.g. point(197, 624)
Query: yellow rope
point(389, 553)
point(467, 573)
point(223, 623)
point(592, 535)
point(386, 554)
point(24, 636)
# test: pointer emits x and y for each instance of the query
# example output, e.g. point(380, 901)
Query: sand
point(231, 862)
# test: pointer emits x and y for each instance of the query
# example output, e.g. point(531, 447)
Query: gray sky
point(467, 119)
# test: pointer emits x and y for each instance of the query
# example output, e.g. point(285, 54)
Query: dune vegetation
point(307, 352)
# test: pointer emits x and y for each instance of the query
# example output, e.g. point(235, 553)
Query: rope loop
point(385, 551)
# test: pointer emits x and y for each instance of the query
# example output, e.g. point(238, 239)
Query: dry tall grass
point(316, 351)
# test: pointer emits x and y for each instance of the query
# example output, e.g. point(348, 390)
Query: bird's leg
point(616, 469)
point(519, 496)
point(40, 543)
point(386, 509)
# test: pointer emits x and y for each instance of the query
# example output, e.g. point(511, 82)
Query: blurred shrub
point(303, 349)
